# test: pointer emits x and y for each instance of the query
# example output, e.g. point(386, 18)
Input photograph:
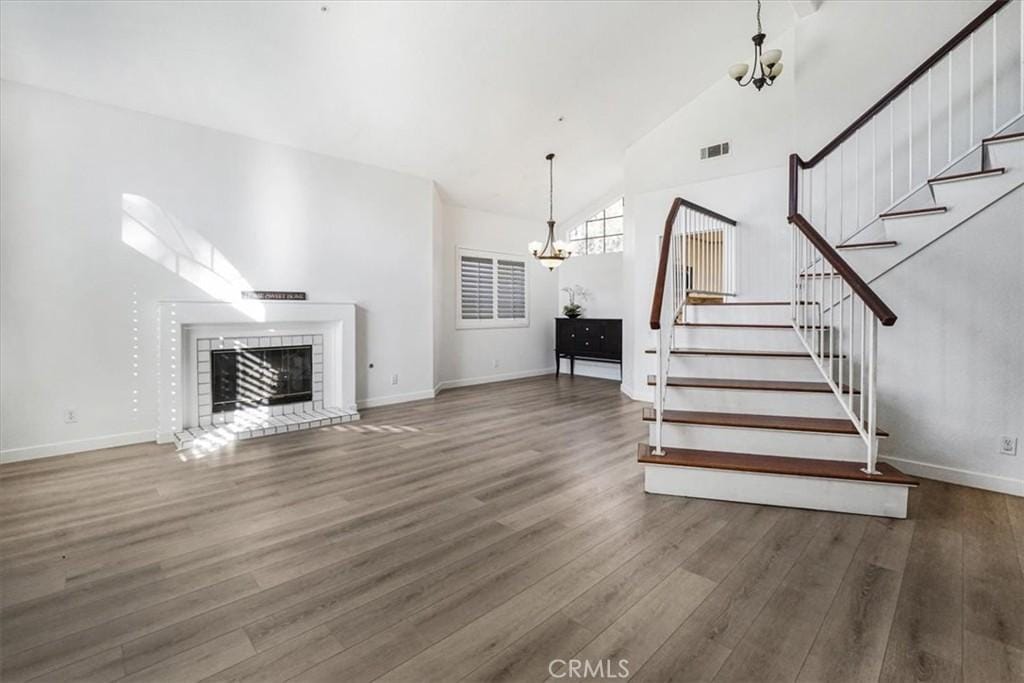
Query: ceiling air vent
point(719, 150)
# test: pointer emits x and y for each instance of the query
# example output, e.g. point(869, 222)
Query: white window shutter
point(511, 290)
point(476, 278)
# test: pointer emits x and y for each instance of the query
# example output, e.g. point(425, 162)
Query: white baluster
point(872, 357)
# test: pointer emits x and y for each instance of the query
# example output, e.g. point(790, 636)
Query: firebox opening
point(265, 376)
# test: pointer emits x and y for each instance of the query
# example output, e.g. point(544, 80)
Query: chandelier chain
point(551, 188)
point(759, 17)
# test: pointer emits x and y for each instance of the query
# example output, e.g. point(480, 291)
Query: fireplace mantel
point(180, 320)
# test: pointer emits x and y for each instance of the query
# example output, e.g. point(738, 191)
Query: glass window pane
point(595, 228)
point(614, 210)
point(578, 246)
point(613, 226)
point(599, 216)
point(612, 244)
point(595, 246)
point(577, 233)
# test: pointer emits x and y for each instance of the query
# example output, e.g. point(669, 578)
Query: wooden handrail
point(947, 47)
point(843, 269)
point(666, 246)
point(659, 281)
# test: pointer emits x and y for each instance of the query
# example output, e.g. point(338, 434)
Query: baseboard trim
point(953, 475)
point(49, 450)
point(489, 379)
point(397, 398)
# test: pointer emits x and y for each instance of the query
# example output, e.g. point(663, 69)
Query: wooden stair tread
point(739, 303)
point(967, 176)
point(773, 464)
point(754, 326)
point(1005, 137)
point(865, 245)
point(909, 213)
point(688, 351)
point(791, 423)
point(748, 384)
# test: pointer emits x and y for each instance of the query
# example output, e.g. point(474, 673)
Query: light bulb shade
point(738, 71)
point(776, 70)
point(534, 247)
point(561, 246)
point(770, 58)
point(550, 262)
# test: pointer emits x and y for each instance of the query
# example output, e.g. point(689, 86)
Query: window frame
point(493, 322)
point(581, 246)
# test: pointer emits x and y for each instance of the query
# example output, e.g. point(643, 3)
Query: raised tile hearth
point(255, 423)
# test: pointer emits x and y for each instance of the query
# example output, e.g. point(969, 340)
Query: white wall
point(286, 219)
point(601, 276)
point(468, 355)
point(950, 370)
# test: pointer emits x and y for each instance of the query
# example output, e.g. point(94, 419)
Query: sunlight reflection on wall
point(156, 234)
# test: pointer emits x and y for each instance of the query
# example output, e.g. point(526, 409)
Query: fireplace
point(292, 371)
point(263, 376)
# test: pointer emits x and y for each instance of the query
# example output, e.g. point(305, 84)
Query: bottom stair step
point(773, 464)
point(837, 486)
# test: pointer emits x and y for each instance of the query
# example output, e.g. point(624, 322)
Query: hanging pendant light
point(767, 65)
point(552, 252)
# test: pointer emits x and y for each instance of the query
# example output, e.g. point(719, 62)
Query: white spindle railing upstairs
point(972, 87)
point(697, 257)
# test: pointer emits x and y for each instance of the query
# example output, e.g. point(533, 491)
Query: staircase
point(775, 402)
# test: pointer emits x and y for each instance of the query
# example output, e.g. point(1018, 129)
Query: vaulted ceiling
point(470, 94)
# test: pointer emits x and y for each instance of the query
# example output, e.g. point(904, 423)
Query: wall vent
point(719, 150)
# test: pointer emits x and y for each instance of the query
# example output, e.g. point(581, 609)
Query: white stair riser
point(739, 313)
point(972, 194)
point(739, 338)
point(803, 403)
point(763, 441)
point(813, 493)
point(744, 367)
point(1008, 155)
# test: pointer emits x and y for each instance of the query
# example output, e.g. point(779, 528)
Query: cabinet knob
point(586, 329)
point(602, 336)
point(586, 343)
point(572, 335)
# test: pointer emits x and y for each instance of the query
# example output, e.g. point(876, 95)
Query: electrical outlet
point(497, 363)
point(394, 380)
point(1008, 445)
point(70, 415)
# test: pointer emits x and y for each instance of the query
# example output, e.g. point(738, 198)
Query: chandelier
point(552, 252)
point(767, 65)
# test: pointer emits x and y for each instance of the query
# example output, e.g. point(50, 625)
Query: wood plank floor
point(479, 536)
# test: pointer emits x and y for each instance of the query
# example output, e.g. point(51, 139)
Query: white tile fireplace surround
point(191, 331)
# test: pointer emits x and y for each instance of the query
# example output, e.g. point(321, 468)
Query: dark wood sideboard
point(597, 339)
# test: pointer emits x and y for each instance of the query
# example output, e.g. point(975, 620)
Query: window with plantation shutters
point(492, 290)
point(511, 290)
point(476, 290)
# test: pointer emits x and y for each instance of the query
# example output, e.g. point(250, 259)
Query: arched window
point(600, 234)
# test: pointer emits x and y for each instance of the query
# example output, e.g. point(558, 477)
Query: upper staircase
point(775, 402)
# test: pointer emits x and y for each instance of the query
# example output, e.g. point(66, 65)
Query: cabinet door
point(564, 339)
point(589, 335)
point(613, 338)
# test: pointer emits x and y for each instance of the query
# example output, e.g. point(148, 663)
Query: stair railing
point(970, 88)
point(696, 257)
point(835, 313)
